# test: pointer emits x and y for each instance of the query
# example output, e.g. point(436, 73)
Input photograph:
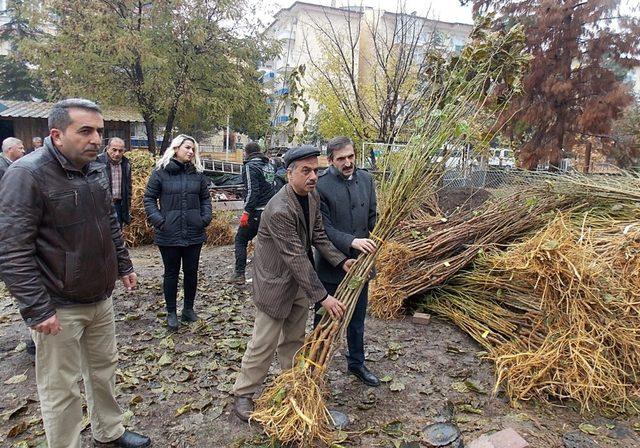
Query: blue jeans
point(355, 330)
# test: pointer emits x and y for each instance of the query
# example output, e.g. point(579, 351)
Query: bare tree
point(373, 70)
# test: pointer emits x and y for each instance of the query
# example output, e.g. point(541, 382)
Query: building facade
point(5, 46)
point(303, 30)
point(28, 119)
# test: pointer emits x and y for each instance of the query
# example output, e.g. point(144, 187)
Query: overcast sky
point(446, 10)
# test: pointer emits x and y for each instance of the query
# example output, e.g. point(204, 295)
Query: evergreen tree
point(17, 81)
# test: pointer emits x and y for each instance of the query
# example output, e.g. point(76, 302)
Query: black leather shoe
point(128, 439)
point(364, 375)
point(243, 407)
point(172, 321)
point(189, 316)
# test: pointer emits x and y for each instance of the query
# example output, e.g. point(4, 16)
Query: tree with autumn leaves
point(576, 87)
point(185, 64)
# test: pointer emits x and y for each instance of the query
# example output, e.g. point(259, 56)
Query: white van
point(502, 157)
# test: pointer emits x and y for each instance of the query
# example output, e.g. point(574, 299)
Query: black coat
point(125, 187)
point(258, 179)
point(348, 210)
point(178, 204)
point(4, 164)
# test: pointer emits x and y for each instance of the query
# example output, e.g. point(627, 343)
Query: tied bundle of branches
point(139, 232)
point(292, 409)
point(559, 312)
point(425, 252)
point(220, 230)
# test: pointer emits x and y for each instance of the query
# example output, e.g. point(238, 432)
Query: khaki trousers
point(284, 336)
point(86, 345)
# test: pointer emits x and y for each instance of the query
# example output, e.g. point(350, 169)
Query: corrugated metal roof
point(32, 109)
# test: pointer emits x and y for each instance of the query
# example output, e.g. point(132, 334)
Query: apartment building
point(299, 29)
point(5, 47)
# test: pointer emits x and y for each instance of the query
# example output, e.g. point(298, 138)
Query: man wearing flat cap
point(284, 279)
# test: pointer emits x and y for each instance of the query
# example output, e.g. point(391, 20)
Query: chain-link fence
point(492, 177)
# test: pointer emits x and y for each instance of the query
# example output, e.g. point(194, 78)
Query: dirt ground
point(175, 388)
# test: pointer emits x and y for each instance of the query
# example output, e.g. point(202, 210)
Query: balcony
point(281, 119)
point(268, 77)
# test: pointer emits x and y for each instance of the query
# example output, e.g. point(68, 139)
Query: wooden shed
point(28, 119)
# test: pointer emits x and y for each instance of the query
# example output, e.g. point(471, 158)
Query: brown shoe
point(243, 407)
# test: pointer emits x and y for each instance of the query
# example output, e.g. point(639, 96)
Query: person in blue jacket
point(178, 205)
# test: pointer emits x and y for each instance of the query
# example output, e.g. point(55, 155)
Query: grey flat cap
point(301, 152)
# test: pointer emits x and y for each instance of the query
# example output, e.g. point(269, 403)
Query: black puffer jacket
point(184, 209)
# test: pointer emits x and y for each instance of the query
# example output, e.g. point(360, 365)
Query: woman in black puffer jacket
point(178, 205)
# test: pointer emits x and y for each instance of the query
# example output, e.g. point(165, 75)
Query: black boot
point(128, 439)
point(188, 315)
point(237, 278)
point(172, 321)
point(31, 349)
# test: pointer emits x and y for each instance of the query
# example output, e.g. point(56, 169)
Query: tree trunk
point(171, 118)
point(556, 152)
point(150, 127)
point(587, 158)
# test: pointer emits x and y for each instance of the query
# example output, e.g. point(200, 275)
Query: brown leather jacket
point(60, 242)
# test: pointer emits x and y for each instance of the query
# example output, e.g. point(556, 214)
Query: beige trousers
point(86, 346)
point(284, 336)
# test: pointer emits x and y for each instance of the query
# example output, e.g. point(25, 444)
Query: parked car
point(502, 157)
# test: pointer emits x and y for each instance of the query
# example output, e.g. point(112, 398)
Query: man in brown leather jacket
point(61, 252)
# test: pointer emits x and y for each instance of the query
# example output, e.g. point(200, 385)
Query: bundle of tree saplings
point(220, 232)
point(559, 312)
point(139, 232)
point(425, 252)
point(292, 409)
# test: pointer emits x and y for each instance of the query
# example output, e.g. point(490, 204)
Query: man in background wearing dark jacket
point(61, 252)
point(348, 206)
point(12, 150)
point(119, 174)
point(36, 143)
point(258, 179)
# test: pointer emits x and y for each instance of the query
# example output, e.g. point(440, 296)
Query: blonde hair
point(171, 152)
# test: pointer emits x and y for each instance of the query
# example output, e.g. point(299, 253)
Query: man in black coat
point(119, 174)
point(258, 178)
point(348, 209)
